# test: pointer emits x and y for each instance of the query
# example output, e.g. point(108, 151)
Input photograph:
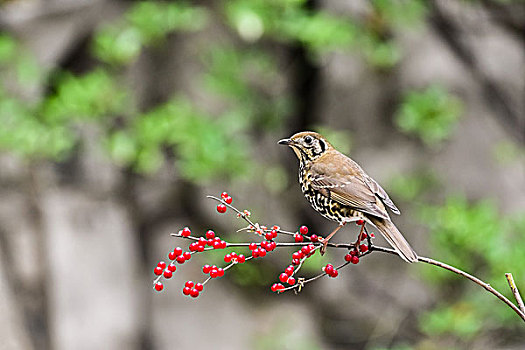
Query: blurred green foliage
point(95, 95)
point(247, 80)
point(320, 32)
point(412, 187)
point(204, 147)
point(144, 24)
point(477, 238)
point(430, 114)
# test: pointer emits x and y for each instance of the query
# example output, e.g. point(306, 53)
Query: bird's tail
point(395, 238)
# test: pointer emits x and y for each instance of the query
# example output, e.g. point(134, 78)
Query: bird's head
point(307, 145)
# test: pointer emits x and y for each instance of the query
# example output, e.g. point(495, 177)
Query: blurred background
point(118, 117)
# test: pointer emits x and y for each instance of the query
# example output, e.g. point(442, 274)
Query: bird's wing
point(350, 186)
point(381, 193)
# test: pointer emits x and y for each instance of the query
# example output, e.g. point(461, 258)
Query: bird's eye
point(308, 139)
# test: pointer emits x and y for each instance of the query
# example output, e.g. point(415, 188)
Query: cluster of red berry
point(221, 208)
point(178, 255)
point(210, 241)
point(192, 289)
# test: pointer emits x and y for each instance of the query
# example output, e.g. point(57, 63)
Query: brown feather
point(395, 238)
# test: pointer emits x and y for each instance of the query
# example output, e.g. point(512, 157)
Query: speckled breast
point(324, 205)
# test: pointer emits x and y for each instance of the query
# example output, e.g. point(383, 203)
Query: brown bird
point(340, 190)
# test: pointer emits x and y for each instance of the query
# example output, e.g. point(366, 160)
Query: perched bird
point(341, 191)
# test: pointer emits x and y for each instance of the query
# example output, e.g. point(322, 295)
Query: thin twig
point(515, 291)
point(476, 280)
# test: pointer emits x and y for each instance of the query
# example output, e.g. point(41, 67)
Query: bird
point(341, 191)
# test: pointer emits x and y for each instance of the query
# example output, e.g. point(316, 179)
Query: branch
point(474, 279)
point(308, 244)
point(515, 291)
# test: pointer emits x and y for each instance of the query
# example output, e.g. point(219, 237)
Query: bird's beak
point(285, 142)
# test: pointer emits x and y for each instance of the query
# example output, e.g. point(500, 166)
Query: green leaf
point(431, 114)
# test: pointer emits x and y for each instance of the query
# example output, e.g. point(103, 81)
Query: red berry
point(228, 200)
point(202, 242)
point(172, 255)
point(194, 293)
point(168, 273)
point(268, 236)
point(363, 248)
point(210, 242)
point(355, 259)
point(360, 222)
point(274, 233)
point(252, 246)
point(186, 290)
point(329, 269)
point(162, 265)
point(291, 280)
point(227, 258)
point(186, 255)
point(363, 236)
point(296, 262)
point(199, 287)
point(305, 250)
point(348, 257)
point(283, 277)
point(224, 195)
point(172, 267)
point(185, 232)
point(255, 253)
point(314, 238)
point(221, 208)
point(277, 287)
point(180, 259)
point(289, 270)
point(303, 230)
point(297, 255)
point(275, 227)
point(298, 238)
point(177, 251)
point(223, 244)
point(262, 252)
point(157, 270)
point(353, 253)
point(241, 258)
point(334, 274)
point(214, 273)
point(220, 272)
point(216, 244)
point(189, 284)
point(206, 269)
point(193, 247)
point(159, 286)
point(210, 234)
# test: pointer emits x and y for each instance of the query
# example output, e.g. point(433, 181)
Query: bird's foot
point(324, 241)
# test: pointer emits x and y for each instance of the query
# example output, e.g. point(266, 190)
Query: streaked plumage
point(340, 190)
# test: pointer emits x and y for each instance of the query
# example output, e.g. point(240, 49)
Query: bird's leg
point(357, 243)
point(325, 240)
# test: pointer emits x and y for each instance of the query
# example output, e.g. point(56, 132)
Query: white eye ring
point(308, 139)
